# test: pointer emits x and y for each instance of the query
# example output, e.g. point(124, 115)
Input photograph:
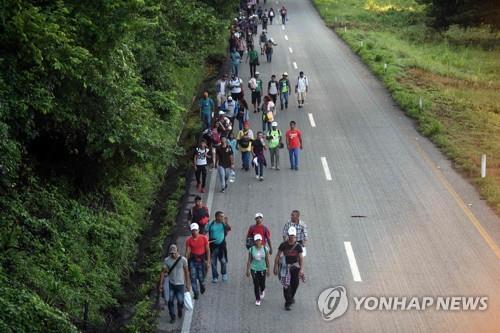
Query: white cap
point(274, 124)
point(230, 98)
point(285, 74)
point(292, 231)
point(257, 237)
point(194, 226)
point(259, 215)
point(221, 112)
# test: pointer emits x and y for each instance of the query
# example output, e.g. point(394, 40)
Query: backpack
point(269, 116)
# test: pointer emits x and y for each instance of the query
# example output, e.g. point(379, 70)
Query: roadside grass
point(456, 73)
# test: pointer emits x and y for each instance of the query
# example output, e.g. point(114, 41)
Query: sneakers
point(287, 307)
point(277, 168)
point(214, 280)
point(261, 178)
point(257, 177)
point(202, 288)
point(223, 190)
point(262, 294)
point(224, 277)
point(172, 320)
point(196, 295)
point(273, 168)
point(257, 302)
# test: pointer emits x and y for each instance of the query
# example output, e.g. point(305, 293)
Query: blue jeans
point(223, 176)
point(206, 118)
point(259, 169)
point(234, 68)
point(264, 123)
point(245, 157)
point(218, 255)
point(197, 272)
point(175, 292)
point(284, 100)
point(294, 158)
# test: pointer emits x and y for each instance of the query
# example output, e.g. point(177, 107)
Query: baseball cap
point(274, 124)
point(257, 237)
point(221, 112)
point(172, 249)
point(292, 231)
point(230, 98)
point(285, 74)
point(195, 226)
point(259, 215)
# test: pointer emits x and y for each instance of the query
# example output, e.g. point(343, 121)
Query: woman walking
point(258, 267)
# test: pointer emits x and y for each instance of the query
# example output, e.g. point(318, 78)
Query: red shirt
point(261, 230)
point(293, 138)
point(197, 245)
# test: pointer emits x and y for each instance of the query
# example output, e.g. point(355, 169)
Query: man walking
point(217, 231)
point(222, 89)
point(272, 88)
point(199, 214)
point(200, 162)
point(245, 138)
point(207, 109)
point(235, 61)
point(259, 229)
point(253, 55)
point(230, 107)
point(299, 226)
point(301, 89)
point(293, 143)
point(225, 162)
point(175, 269)
point(235, 87)
point(289, 264)
point(255, 85)
point(274, 138)
point(284, 90)
point(198, 254)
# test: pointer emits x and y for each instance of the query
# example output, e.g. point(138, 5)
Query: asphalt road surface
point(425, 231)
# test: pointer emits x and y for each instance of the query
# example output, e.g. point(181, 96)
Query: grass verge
point(456, 73)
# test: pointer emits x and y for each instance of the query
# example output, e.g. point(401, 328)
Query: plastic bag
point(232, 176)
point(188, 301)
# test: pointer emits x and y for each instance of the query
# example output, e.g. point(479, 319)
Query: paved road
point(420, 237)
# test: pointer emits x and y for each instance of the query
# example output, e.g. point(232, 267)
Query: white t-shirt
point(273, 88)
point(302, 84)
point(222, 87)
point(252, 83)
point(236, 85)
point(201, 156)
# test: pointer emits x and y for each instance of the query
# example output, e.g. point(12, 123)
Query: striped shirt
point(301, 230)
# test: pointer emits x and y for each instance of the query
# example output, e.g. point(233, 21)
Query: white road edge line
point(286, 37)
point(188, 315)
point(352, 262)
point(295, 65)
point(290, 49)
point(311, 120)
point(328, 175)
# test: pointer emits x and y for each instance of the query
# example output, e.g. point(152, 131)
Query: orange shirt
point(198, 245)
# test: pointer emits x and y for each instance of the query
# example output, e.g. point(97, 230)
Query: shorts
point(256, 97)
point(301, 96)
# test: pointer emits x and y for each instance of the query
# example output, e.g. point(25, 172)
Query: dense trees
point(90, 106)
point(466, 13)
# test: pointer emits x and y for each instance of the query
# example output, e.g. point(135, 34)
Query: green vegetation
point(456, 72)
point(93, 96)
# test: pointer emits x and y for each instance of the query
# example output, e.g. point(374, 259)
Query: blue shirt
point(235, 58)
point(216, 232)
point(206, 105)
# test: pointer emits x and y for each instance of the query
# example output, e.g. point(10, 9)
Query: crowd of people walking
point(206, 248)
